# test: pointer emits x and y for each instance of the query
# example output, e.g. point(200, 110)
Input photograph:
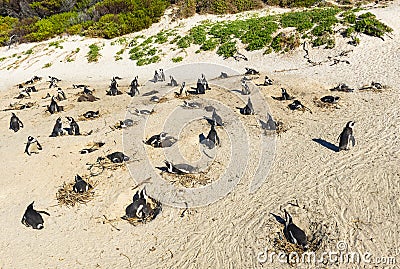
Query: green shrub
point(177, 59)
point(369, 25)
point(94, 53)
point(227, 49)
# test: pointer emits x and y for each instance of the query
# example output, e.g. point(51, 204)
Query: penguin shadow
point(326, 144)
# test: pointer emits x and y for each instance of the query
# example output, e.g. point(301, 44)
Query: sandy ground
point(350, 196)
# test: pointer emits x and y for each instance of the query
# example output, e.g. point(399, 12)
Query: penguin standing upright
point(248, 109)
point(213, 136)
point(346, 136)
point(15, 123)
point(54, 107)
point(57, 129)
point(294, 234)
point(73, 127)
point(32, 146)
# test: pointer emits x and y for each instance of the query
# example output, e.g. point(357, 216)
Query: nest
point(188, 180)
point(19, 106)
point(66, 195)
point(102, 164)
point(156, 209)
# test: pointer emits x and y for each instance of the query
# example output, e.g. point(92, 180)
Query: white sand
point(354, 194)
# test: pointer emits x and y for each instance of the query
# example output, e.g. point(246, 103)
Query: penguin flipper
point(353, 140)
point(39, 146)
point(27, 149)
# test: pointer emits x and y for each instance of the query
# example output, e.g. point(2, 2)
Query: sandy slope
point(354, 195)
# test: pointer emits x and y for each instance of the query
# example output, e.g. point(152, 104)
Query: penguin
point(54, 107)
point(77, 86)
point(217, 118)
point(173, 82)
point(223, 75)
point(143, 111)
point(156, 140)
point(134, 87)
point(31, 89)
point(182, 90)
point(284, 96)
point(245, 88)
point(117, 157)
point(267, 81)
point(342, 88)
point(61, 95)
point(36, 78)
point(32, 218)
point(23, 94)
point(91, 114)
point(205, 82)
point(294, 234)
point(80, 185)
point(191, 105)
point(156, 76)
point(248, 109)
point(87, 97)
point(200, 89)
point(113, 91)
point(73, 127)
point(346, 136)
point(251, 71)
point(179, 169)
point(162, 75)
point(270, 125)
point(86, 90)
point(213, 137)
point(139, 208)
point(330, 99)
point(57, 129)
point(298, 105)
point(155, 99)
point(15, 123)
point(32, 146)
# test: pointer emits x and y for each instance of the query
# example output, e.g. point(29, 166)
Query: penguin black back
point(294, 234)
point(32, 218)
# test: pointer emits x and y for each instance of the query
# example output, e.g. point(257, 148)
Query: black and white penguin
point(31, 89)
point(297, 105)
point(173, 82)
point(61, 95)
point(213, 137)
point(32, 146)
point(270, 125)
point(113, 91)
point(191, 105)
point(32, 218)
point(217, 118)
point(80, 185)
point(54, 107)
point(251, 71)
point(200, 89)
point(267, 81)
point(284, 96)
point(15, 123)
point(156, 76)
point(342, 88)
point(139, 208)
point(223, 75)
point(73, 127)
point(117, 157)
point(134, 87)
point(330, 99)
point(245, 88)
point(57, 129)
point(294, 234)
point(248, 109)
point(91, 114)
point(346, 136)
point(179, 169)
point(156, 140)
point(162, 75)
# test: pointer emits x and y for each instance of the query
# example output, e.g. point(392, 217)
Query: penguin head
point(283, 90)
point(163, 135)
point(350, 124)
point(78, 178)
point(30, 207)
point(13, 114)
point(30, 139)
point(58, 120)
point(70, 119)
point(183, 84)
point(169, 165)
point(288, 219)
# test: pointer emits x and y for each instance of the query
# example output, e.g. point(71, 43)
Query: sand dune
point(348, 196)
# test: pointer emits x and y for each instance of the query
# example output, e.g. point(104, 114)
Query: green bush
point(94, 53)
point(177, 59)
point(369, 25)
point(227, 49)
